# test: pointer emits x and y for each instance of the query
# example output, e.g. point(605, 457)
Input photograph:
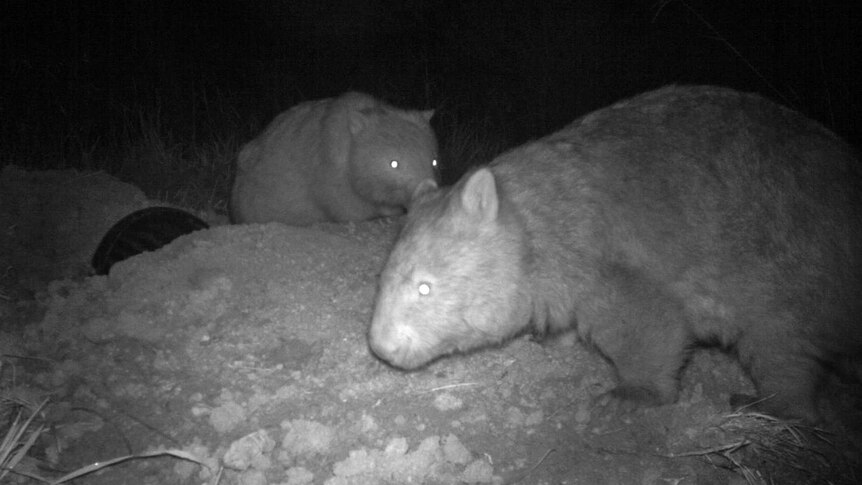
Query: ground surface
point(245, 346)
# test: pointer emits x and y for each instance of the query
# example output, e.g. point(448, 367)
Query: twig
point(534, 467)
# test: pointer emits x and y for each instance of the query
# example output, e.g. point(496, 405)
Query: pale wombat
point(338, 159)
point(684, 215)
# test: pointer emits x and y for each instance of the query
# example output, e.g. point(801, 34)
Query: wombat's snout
point(383, 343)
point(393, 344)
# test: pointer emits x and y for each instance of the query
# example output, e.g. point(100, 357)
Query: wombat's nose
point(382, 343)
point(391, 343)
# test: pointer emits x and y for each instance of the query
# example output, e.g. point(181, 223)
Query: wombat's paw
point(644, 396)
point(625, 399)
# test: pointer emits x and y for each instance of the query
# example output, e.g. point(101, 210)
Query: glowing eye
point(424, 289)
point(434, 163)
point(393, 163)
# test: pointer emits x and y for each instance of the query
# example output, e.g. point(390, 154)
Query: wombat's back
point(701, 186)
point(685, 214)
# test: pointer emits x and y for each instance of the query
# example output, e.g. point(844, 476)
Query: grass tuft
point(20, 434)
point(765, 450)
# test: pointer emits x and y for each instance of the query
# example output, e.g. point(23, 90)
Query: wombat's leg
point(642, 330)
point(784, 370)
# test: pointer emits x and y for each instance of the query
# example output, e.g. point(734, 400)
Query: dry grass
point(766, 450)
point(191, 172)
point(21, 432)
point(23, 422)
point(465, 142)
point(167, 152)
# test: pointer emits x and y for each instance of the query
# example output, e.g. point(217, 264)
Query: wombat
point(337, 159)
point(684, 215)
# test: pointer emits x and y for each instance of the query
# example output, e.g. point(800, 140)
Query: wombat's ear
point(427, 114)
point(424, 187)
point(479, 195)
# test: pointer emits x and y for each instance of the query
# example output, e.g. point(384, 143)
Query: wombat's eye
point(434, 162)
point(393, 163)
point(424, 289)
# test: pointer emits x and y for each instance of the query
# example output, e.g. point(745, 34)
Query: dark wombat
point(684, 215)
point(339, 159)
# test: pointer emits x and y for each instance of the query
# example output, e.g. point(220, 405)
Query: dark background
point(76, 74)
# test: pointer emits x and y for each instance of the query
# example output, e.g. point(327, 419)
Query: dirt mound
point(246, 347)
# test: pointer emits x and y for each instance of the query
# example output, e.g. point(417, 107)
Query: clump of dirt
point(245, 346)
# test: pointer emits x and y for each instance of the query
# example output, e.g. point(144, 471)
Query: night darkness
point(76, 73)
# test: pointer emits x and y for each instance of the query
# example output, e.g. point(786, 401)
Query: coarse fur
point(684, 215)
point(332, 160)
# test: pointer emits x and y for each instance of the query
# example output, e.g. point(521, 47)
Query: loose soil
point(245, 346)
